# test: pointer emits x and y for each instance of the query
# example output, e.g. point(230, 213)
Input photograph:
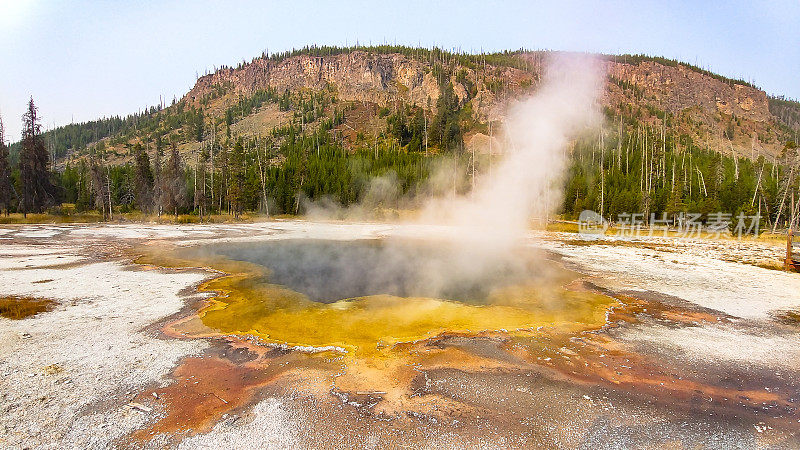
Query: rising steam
point(527, 182)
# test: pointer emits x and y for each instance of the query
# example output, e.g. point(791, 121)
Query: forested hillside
point(322, 122)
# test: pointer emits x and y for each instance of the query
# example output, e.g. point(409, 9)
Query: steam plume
point(527, 182)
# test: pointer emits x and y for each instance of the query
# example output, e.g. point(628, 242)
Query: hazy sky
point(81, 60)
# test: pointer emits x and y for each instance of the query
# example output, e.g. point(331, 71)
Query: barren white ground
point(67, 375)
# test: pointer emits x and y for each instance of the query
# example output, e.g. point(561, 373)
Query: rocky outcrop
point(355, 76)
point(678, 87)
point(383, 79)
point(709, 109)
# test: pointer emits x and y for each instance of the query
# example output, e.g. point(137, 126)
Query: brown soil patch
point(205, 388)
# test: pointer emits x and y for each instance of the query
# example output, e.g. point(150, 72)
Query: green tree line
point(637, 168)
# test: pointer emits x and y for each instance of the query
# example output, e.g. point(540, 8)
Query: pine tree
point(199, 126)
point(34, 165)
point(5, 172)
point(200, 197)
point(157, 178)
point(173, 189)
point(100, 188)
point(143, 180)
point(445, 128)
point(84, 200)
point(238, 178)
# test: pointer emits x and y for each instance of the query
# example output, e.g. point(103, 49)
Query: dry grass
point(765, 237)
point(562, 226)
point(18, 218)
point(68, 215)
point(790, 317)
point(17, 308)
point(771, 265)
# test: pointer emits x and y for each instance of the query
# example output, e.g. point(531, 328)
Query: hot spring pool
point(365, 295)
point(328, 271)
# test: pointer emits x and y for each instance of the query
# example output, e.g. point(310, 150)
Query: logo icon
point(591, 223)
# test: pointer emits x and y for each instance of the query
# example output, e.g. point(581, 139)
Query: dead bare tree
point(262, 174)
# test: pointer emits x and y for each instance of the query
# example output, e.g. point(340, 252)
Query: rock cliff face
point(677, 88)
point(710, 110)
point(382, 79)
point(730, 117)
point(356, 76)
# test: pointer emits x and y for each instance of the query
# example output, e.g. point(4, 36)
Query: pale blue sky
point(81, 60)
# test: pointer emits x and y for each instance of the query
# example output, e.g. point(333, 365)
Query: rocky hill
point(727, 115)
point(730, 116)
